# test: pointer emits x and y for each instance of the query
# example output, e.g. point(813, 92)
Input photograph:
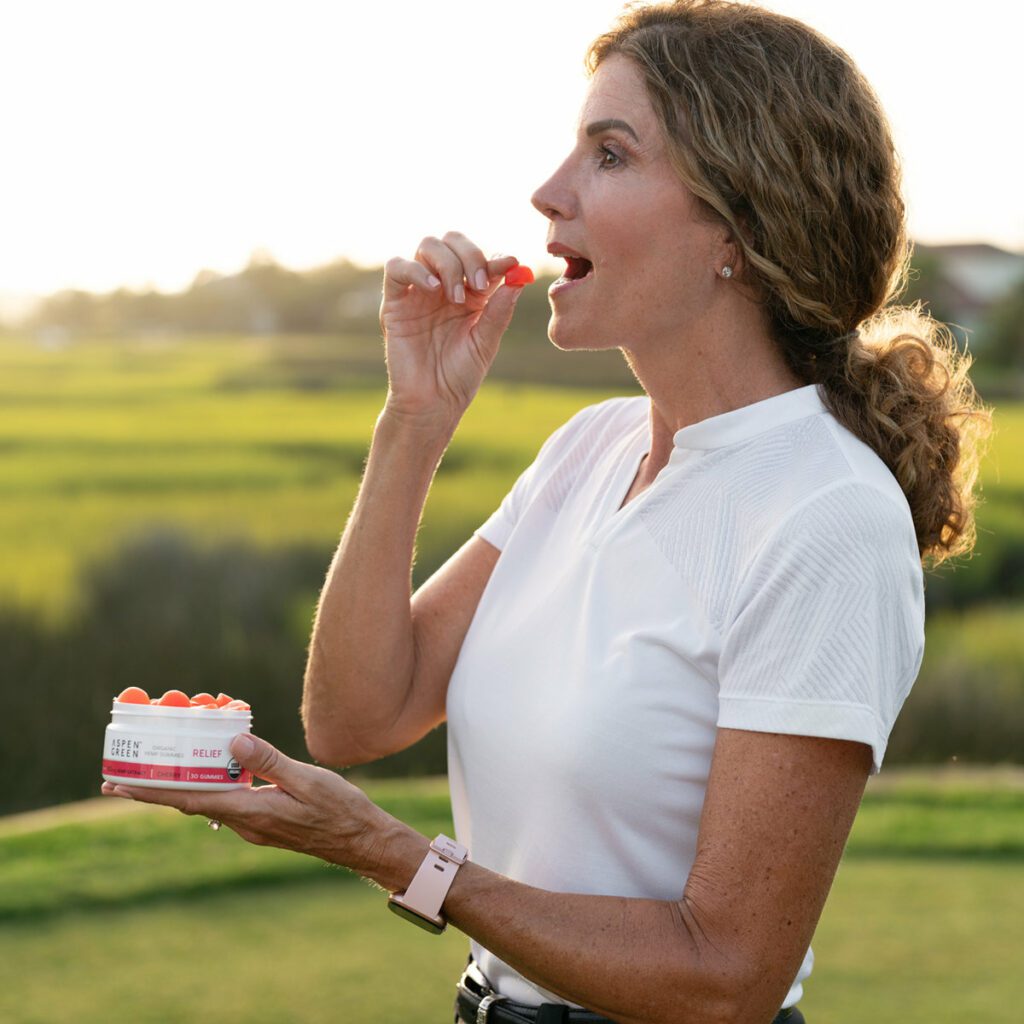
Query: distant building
point(974, 278)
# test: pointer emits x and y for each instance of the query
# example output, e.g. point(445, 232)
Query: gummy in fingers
point(519, 276)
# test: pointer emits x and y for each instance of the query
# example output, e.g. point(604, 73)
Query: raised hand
point(443, 315)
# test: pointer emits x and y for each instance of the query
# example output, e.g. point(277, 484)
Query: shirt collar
point(730, 428)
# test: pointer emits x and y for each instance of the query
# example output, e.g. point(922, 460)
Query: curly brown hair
point(779, 135)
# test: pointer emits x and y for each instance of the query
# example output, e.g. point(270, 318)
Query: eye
point(607, 158)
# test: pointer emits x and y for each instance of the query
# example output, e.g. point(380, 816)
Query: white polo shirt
point(768, 579)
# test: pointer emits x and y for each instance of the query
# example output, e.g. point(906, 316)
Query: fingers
point(213, 805)
point(267, 762)
point(457, 262)
point(399, 274)
point(496, 317)
point(499, 266)
point(461, 265)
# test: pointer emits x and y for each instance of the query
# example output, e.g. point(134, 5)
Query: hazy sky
point(145, 140)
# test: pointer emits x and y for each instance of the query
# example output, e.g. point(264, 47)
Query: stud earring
point(726, 271)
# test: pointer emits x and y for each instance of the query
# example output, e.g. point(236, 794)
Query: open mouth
point(576, 268)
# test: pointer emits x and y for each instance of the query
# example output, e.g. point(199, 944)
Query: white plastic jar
point(174, 748)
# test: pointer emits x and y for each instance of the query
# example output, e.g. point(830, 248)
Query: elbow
point(325, 752)
point(334, 748)
point(711, 984)
point(331, 753)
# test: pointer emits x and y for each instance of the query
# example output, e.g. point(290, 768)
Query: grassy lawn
point(112, 906)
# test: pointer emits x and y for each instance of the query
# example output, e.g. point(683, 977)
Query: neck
point(712, 368)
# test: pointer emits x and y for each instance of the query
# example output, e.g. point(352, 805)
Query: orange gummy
point(133, 695)
point(203, 698)
point(518, 276)
point(237, 705)
point(175, 699)
point(223, 699)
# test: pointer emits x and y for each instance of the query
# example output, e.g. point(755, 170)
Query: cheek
point(658, 241)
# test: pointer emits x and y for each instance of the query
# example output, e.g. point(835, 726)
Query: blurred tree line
point(266, 298)
point(341, 297)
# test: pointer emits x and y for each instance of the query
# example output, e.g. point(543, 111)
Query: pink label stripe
point(173, 772)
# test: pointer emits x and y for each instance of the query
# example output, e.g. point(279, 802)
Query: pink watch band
point(430, 885)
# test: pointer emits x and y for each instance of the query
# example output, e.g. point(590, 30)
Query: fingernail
point(481, 280)
point(241, 745)
point(433, 281)
point(460, 293)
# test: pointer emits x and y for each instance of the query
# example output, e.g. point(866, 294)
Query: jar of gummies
point(176, 741)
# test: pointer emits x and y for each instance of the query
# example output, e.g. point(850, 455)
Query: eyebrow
point(596, 127)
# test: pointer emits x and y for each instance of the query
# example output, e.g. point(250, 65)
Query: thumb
point(496, 317)
point(266, 761)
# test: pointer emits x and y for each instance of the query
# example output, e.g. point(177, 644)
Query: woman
point(670, 660)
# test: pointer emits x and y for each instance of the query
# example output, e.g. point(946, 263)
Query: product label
point(165, 758)
point(177, 773)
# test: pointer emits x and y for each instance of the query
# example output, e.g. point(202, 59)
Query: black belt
point(477, 1003)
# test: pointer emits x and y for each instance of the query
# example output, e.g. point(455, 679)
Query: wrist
point(433, 427)
point(422, 902)
point(391, 853)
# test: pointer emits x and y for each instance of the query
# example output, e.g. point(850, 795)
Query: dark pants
point(555, 1013)
point(794, 1017)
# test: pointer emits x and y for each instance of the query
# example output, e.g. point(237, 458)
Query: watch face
point(411, 915)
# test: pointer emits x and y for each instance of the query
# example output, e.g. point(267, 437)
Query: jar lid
point(170, 711)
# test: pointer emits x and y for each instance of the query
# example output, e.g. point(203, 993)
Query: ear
point(737, 239)
point(727, 252)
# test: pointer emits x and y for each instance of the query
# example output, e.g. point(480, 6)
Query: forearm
point(635, 961)
point(362, 652)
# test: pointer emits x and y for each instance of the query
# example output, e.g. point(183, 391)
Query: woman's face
point(649, 259)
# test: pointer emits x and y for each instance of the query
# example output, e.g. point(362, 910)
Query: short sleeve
point(827, 633)
point(498, 527)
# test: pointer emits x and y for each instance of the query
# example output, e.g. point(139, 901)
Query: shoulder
point(594, 424)
point(837, 506)
point(850, 501)
point(620, 412)
point(812, 480)
point(845, 552)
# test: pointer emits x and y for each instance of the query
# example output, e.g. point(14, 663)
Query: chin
point(571, 337)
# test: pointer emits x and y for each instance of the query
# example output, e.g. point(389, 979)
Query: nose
point(555, 198)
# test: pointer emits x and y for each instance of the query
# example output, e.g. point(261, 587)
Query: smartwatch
point(421, 902)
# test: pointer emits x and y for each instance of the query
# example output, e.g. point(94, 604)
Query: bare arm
point(379, 660)
point(776, 818)
point(379, 664)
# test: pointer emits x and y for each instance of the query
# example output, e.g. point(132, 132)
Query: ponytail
point(903, 389)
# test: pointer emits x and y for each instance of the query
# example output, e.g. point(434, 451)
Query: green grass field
point(112, 911)
point(108, 438)
point(261, 439)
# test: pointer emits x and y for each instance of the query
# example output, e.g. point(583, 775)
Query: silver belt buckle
point(485, 1005)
